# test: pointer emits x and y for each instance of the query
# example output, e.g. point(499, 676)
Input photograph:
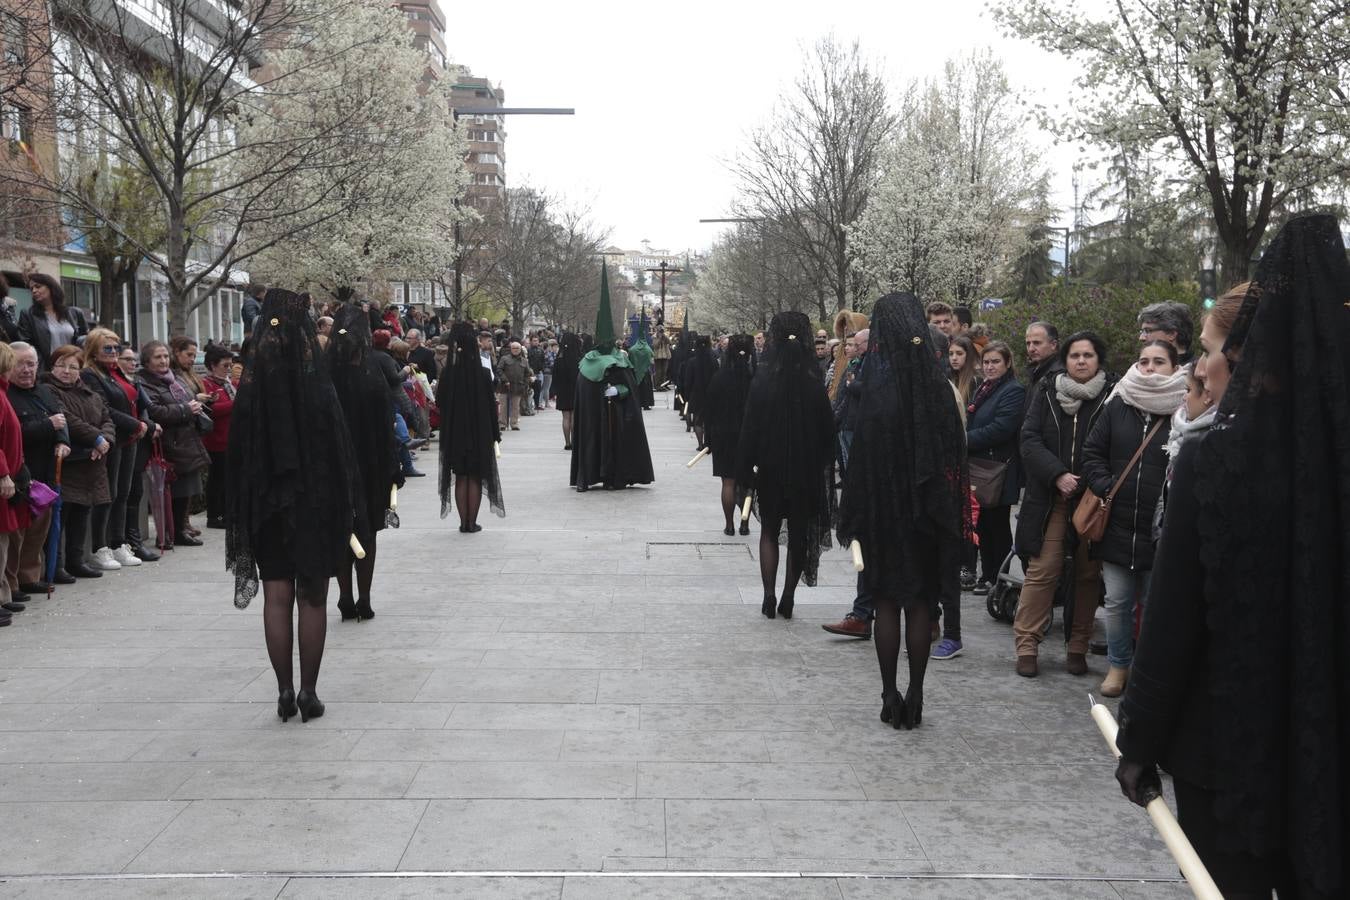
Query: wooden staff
point(1202, 885)
point(357, 550)
point(698, 457)
point(856, 549)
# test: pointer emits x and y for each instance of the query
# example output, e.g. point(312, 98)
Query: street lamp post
point(491, 111)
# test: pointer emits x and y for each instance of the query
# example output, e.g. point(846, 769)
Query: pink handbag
point(40, 498)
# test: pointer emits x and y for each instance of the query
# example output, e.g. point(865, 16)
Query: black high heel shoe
point(347, 606)
point(893, 709)
point(745, 527)
point(363, 610)
point(770, 601)
point(729, 531)
point(785, 607)
point(311, 707)
point(913, 707)
point(286, 704)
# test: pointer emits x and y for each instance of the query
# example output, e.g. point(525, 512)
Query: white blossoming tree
point(951, 208)
point(1248, 97)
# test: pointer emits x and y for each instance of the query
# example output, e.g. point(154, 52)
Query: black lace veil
point(728, 390)
point(907, 471)
point(469, 418)
point(362, 392)
point(1273, 488)
point(290, 465)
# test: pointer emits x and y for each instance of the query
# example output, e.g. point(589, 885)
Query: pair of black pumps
point(306, 703)
point(902, 712)
point(355, 609)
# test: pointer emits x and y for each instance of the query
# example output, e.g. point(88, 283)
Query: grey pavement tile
point(636, 746)
point(459, 745)
point(527, 780)
point(843, 830)
point(304, 780)
point(675, 888)
point(533, 686)
point(1052, 838)
point(548, 658)
point(53, 782)
point(282, 743)
point(1082, 746)
point(960, 889)
point(896, 778)
point(686, 686)
point(534, 834)
point(31, 657)
point(29, 685)
point(750, 781)
point(998, 719)
point(719, 657)
point(145, 889)
point(135, 716)
point(171, 685)
point(97, 836)
point(733, 829)
point(400, 685)
point(547, 716)
point(71, 746)
point(391, 715)
point(869, 740)
point(827, 686)
point(1142, 890)
point(283, 835)
point(416, 888)
point(34, 717)
point(773, 718)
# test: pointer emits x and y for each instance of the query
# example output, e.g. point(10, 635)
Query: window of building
point(16, 123)
point(16, 40)
point(419, 292)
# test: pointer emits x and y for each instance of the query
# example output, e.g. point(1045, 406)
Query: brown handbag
point(1093, 512)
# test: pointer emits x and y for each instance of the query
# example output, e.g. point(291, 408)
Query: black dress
point(469, 427)
point(565, 371)
point(724, 406)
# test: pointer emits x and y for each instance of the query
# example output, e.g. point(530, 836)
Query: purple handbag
point(40, 498)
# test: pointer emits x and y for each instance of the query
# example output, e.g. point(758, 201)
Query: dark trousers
point(864, 607)
point(215, 488)
point(109, 520)
point(995, 531)
point(75, 528)
point(131, 520)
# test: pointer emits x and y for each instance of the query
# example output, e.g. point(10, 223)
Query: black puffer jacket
point(1052, 444)
point(1119, 430)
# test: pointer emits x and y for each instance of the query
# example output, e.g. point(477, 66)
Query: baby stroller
point(1006, 591)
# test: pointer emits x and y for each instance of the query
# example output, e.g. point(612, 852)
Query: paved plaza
point(581, 701)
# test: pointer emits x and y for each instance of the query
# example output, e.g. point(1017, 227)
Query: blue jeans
point(864, 607)
point(1124, 589)
point(401, 433)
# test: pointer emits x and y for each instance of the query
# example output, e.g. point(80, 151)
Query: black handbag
point(986, 479)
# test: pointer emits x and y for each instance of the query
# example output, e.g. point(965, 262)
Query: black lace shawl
point(724, 402)
point(361, 390)
point(696, 375)
point(469, 425)
point(1273, 489)
point(907, 469)
point(290, 464)
point(786, 448)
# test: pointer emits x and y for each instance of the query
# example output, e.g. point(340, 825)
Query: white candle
point(698, 457)
point(497, 449)
point(393, 496)
point(745, 509)
point(856, 549)
point(357, 550)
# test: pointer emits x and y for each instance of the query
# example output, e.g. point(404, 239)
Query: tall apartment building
point(427, 22)
point(486, 137)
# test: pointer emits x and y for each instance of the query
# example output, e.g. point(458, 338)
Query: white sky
point(665, 93)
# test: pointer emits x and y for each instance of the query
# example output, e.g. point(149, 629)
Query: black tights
point(567, 427)
point(279, 596)
point(365, 573)
point(886, 634)
point(729, 497)
point(468, 497)
point(770, 528)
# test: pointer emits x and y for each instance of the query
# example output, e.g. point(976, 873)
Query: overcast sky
point(666, 93)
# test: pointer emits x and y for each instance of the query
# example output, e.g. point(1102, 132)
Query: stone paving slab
point(584, 690)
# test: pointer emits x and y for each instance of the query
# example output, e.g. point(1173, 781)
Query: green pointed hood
point(605, 355)
point(640, 354)
point(604, 319)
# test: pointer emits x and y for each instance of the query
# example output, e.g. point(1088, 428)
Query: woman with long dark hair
point(724, 410)
point(291, 500)
point(964, 360)
point(1240, 686)
point(369, 416)
point(49, 323)
point(906, 498)
point(563, 388)
point(784, 456)
point(469, 428)
point(994, 419)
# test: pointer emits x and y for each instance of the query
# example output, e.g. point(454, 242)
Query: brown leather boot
point(1026, 666)
point(1077, 664)
point(1113, 685)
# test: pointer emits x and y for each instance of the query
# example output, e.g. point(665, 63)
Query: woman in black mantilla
point(1240, 685)
point(564, 385)
point(469, 429)
point(695, 376)
point(724, 409)
point(289, 508)
point(906, 498)
point(362, 392)
point(784, 455)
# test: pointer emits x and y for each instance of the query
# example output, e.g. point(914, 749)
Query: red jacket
point(218, 438)
point(13, 516)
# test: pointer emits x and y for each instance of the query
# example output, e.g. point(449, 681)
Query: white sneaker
point(124, 556)
point(103, 559)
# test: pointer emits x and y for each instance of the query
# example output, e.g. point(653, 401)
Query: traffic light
point(1209, 287)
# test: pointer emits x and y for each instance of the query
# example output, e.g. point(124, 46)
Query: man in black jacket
point(421, 355)
point(45, 437)
point(537, 364)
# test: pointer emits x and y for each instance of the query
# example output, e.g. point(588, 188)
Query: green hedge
point(1109, 310)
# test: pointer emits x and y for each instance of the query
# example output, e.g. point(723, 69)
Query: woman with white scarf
point(1139, 408)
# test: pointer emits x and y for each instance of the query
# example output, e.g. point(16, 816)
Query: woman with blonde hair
point(104, 377)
